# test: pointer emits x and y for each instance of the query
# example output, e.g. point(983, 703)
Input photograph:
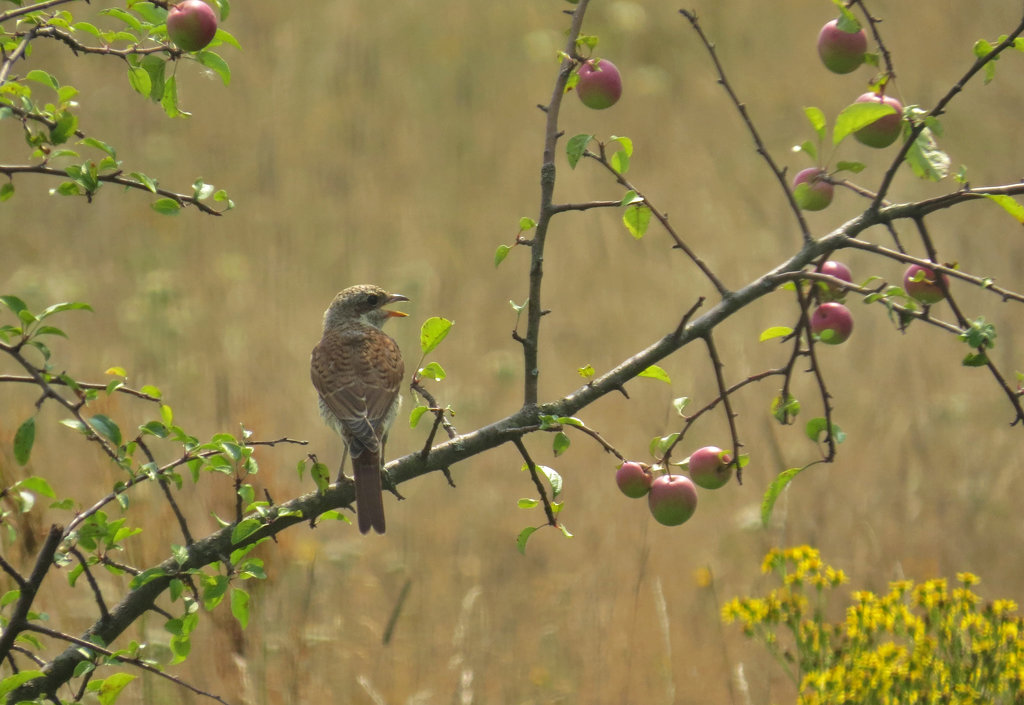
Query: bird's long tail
point(369, 499)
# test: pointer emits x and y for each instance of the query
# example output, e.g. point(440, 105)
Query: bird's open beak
point(395, 298)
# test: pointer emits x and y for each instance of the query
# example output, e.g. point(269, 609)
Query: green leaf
point(156, 68)
point(575, 148)
point(620, 160)
point(432, 332)
point(1008, 204)
point(655, 372)
point(553, 477)
point(35, 484)
point(817, 427)
point(775, 489)
point(500, 254)
point(144, 180)
point(527, 503)
point(927, 161)
point(680, 404)
point(785, 412)
point(24, 438)
point(13, 681)
point(561, 443)
point(636, 219)
point(416, 414)
point(166, 206)
point(214, 589)
point(139, 80)
point(630, 198)
point(106, 427)
point(6, 191)
point(854, 117)
point(526, 223)
point(244, 529)
point(855, 167)
point(15, 304)
point(216, 64)
point(240, 606)
point(817, 119)
point(775, 332)
point(432, 371)
point(659, 445)
point(586, 372)
point(40, 76)
point(523, 537)
point(169, 99)
point(111, 687)
point(978, 359)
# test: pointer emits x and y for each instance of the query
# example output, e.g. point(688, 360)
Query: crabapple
point(673, 499)
point(600, 84)
point(924, 287)
point(191, 24)
point(708, 467)
point(832, 323)
point(633, 479)
point(841, 52)
point(818, 193)
point(837, 270)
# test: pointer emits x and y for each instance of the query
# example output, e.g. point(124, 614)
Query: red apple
point(841, 52)
point(832, 323)
point(633, 479)
point(883, 131)
point(600, 84)
point(818, 193)
point(837, 270)
point(673, 499)
point(921, 283)
point(191, 24)
point(708, 467)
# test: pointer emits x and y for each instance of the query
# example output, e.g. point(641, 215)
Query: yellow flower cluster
point(920, 643)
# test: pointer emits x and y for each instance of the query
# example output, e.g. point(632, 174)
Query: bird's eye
point(373, 299)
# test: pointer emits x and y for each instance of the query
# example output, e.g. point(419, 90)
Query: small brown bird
point(357, 370)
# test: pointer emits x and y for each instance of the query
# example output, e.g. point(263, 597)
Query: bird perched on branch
point(357, 370)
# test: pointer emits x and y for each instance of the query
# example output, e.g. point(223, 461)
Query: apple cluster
point(842, 47)
point(672, 497)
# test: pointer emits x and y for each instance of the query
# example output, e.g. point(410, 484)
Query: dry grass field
point(400, 143)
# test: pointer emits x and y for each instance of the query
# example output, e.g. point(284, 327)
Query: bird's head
point(363, 302)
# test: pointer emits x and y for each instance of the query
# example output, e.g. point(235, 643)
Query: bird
point(357, 370)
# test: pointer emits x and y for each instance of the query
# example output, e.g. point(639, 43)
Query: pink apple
point(673, 499)
point(191, 24)
point(832, 323)
point(708, 467)
point(883, 131)
point(921, 283)
point(633, 479)
point(818, 193)
point(600, 84)
point(841, 52)
point(837, 270)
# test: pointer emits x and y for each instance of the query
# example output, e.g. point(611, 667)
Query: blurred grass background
point(399, 143)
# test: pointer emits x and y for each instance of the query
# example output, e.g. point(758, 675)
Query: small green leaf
point(561, 443)
point(36, 484)
point(527, 503)
point(655, 372)
point(586, 372)
point(854, 117)
point(978, 359)
point(40, 76)
point(775, 332)
point(526, 224)
point(139, 80)
point(785, 412)
point(775, 489)
point(432, 371)
point(244, 529)
point(416, 414)
point(680, 404)
point(240, 606)
point(636, 219)
point(500, 254)
point(216, 64)
point(855, 167)
point(808, 148)
point(432, 332)
point(553, 477)
point(6, 191)
point(660, 445)
point(630, 198)
point(24, 438)
point(927, 161)
point(106, 427)
point(817, 119)
point(166, 206)
point(816, 427)
point(523, 537)
point(575, 148)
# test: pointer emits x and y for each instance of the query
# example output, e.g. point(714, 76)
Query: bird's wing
point(358, 375)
